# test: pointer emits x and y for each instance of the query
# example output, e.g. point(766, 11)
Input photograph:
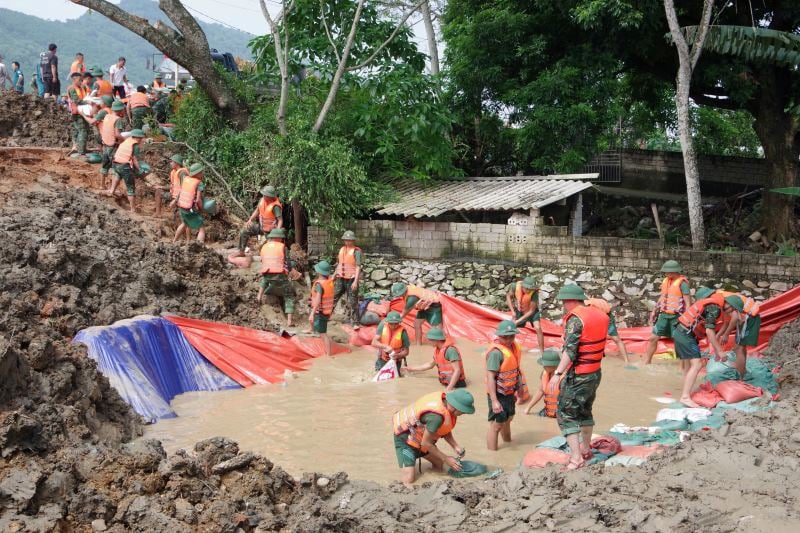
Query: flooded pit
point(333, 418)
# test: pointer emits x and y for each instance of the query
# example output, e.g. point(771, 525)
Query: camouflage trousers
point(280, 286)
point(248, 232)
point(138, 116)
point(344, 287)
point(575, 401)
point(80, 133)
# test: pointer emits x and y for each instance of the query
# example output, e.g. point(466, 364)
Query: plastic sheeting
point(250, 356)
point(149, 362)
point(477, 323)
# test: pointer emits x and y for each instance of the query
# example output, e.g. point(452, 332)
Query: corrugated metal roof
point(483, 194)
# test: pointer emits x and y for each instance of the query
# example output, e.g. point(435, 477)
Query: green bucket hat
point(703, 292)
point(117, 106)
point(399, 289)
point(394, 317)
point(269, 190)
point(735, 302)
point(435, 334)
point(671, 266)
point(97, 72)
point(196, 169)
point(177, 158)
point(462, 400)
point(107, 99)
point(158, 76)
point(571, 292)
point(277, 233)
point(323, 268)
point(529, 283)
point(506, 328)
point(549, 358)
point(349, 236)
point(139, 134)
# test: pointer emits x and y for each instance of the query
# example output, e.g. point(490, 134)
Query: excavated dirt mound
point(70, 259)
point(27, 120)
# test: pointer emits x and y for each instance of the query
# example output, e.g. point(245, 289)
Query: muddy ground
point(26, 120)
point(71, 259)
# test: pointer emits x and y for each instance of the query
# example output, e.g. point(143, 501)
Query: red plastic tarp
point(250, 356)
point(463, 319)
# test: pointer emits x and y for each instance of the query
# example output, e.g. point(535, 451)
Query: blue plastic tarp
point(149, 361)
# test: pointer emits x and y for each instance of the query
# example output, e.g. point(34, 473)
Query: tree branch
point(675, 30)
point(185, 22)
point(282, 56)
point(697, 46)
point(328, 31)
point(137, 25)
point(391, 37)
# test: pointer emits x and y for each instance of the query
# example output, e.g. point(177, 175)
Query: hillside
point(23, 37)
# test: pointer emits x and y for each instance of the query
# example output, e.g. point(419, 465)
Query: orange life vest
point(326, 303)
point(188, 195)
point(347, 265)
point(592, 342)
point(551, 397)
point(444, 366)
point(175, 180)
point(671, 301)
point(77, 66)
point(524, 299)
point(124, 154)
point(409, 419)
point(393, 340)
point(426, 298)
point(692, 318)
point(273, 257)
point(507, 376)
point(599, 303)
point(73, 106)
point(108, 129)
point(266, 215)
point(751, 307)
point(138, 99)
point(158, 84)
point(104, 88)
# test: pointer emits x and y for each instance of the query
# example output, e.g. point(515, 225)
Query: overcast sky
point(242, 14)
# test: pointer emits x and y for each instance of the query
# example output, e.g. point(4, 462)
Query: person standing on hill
point(348, 275)
point(190, 203)
point(112, 123)
point(118, 75)
point(522, 298)
point(675, 299)
point(48, 61)
point(103, 87)
point(78, 65)
point(275, 264)
point(76, 95)
point(18, 79)
point(585, 333)
point(139, 107)
point(158, 82)
point(126, 166)
point(269, 212)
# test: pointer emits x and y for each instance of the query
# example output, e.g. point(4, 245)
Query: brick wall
point(440, 240)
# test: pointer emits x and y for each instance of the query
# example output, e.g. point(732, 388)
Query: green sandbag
point(94, 158)
point(144, 168)
point(672, 425)
point(715, 421)
point(468, 469)
point(557, 443)
point(759, 374)
point(666, 438)
point(629, 439)
point(210, 206)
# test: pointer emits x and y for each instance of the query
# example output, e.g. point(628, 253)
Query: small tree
point(688, 57)
point(186, 43)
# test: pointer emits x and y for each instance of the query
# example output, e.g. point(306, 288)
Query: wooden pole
point(658, 221)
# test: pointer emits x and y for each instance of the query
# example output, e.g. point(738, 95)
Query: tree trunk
point(694, 198)
point(433, 47)
point(778, 133)
point(187, 45)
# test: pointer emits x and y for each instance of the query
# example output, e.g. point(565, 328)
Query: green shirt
point(404, 337)
point(73, 95)
point(432, 422)
point(494, 361)
point(277, 211)
point(101, 115)
point(684, 288)
point(572, 335)
point(451, 354)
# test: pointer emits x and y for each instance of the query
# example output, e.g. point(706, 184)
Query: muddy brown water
point(334, 418)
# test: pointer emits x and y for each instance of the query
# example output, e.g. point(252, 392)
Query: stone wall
point(522, 244)
point(632, 293)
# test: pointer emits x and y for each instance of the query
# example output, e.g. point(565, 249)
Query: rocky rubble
point(632, 293)
point(27, 120)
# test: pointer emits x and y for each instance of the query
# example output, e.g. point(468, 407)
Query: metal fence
point(608, 165)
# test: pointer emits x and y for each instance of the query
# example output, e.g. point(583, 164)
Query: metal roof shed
point(513, 193)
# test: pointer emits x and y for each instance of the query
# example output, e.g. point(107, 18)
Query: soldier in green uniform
point(80, 130)
point(275, 266)
point(585, 331)
point(674, 299)
point(348, 275)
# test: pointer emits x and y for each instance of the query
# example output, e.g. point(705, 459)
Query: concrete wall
point(442, 240)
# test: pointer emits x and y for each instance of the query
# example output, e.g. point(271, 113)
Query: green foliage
point(787, 249)
point(752, 44)
point(23, 37)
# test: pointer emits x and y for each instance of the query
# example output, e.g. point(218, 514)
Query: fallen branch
point(243, 211)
